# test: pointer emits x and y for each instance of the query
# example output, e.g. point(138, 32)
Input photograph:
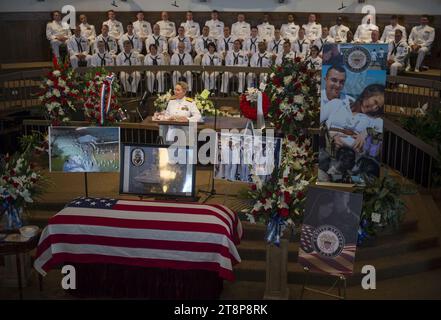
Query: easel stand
point(340, 281)
point(86, 190)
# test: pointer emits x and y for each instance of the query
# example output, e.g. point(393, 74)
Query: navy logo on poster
point(138, 157)
point(328, 241)
point(357, 59)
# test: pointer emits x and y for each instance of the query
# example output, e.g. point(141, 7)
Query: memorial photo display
point(157, 170)
point(238, 156)
point(329, 231)
point(84, 149)
point(352, 106)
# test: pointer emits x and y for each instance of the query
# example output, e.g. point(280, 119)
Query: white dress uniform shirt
point(239, 59)
point(134, 40)
point(55, 29)
point(266, 31)
point(301, 47)
point(101, 59)
point(201, 45)
point(422, 36)
point(216, 28)
point(110, 44)
point(175, 41)
point(259, 60)
point(192, 29)
point(339, 33)
point(389, 33)
point(155, 60)
point(325, 111)
point(241, 30)
point(313, 31)
point(160, 41)
point(320, 42)
point(251, 45)
point(78, 46)
point(142, 28)
point(131, 59)
point(363, 33)
point(314, 63)
point(290, 55)
point(275, 46)
point(225, 44)
point(167, 28)
point(398, 53)
point(182, 59)
point(209, 78)
point(88, 31)
point(185, 107)
point(289, 31)
point(116, 29)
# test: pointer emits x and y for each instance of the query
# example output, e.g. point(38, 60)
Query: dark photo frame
point(146, 171)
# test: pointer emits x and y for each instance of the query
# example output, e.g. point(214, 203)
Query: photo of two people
point(352, 106)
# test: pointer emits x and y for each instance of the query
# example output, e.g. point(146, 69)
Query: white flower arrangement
point(251, 94)
point(162, 100)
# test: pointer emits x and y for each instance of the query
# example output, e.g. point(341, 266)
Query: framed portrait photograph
point(84, 149)
point(157, 170)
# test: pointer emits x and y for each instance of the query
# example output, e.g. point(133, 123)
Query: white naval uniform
point(250, 45)
point(131, 59)
point(88, 31)
point(266, 31)
point(201, 48)
point(397, 52)
point(241, 30)
point(55, 29)
point(210, 78)
point(185, 107)
point(77, 46)
point(151, 76)
point(225, 44)
point(116, 29)
point(275, 46)
point(389, 33)
point(234, 58)
point(135, 41)
point(110, 44)
point(182, 59)
point(290, 55)
point(192, 29)
point(314, 63)
point(363, 33)
point(216, 28)
point(422, 36)
point(320, 42)
point(102, 59)
point(289, 31)
point(173, 44)
point(167, 29)
point(339, 33)
point(313, 31)
point(301, 47)
point(160, 41)
point(259, 60)
point(142, 29)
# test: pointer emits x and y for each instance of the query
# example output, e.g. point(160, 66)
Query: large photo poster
point(84, 149)
point(329, 231)
point(239, 156)
point(351, 110)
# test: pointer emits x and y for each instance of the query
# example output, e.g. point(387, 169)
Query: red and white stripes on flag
point(143, 233)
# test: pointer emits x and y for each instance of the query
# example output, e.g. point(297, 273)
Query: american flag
point(157, 234)
point(341, 264)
